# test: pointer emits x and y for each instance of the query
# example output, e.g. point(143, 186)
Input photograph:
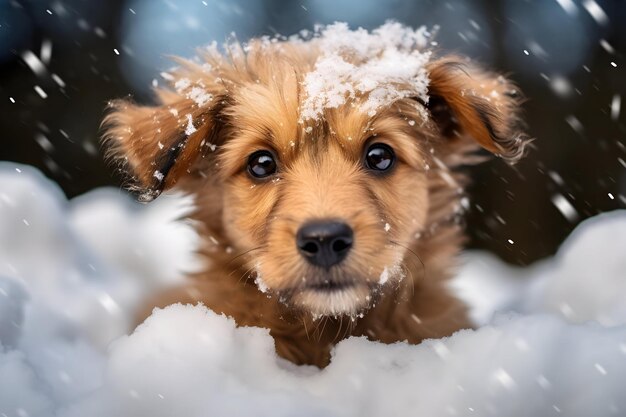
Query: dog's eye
point(379, 157)
point(261, 164)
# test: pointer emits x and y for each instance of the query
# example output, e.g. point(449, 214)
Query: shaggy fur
point(405, 222)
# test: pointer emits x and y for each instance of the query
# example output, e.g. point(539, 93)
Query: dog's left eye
point(261, 164)
point(379, 157)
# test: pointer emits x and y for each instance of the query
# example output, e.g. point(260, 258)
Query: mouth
point(330, 286)
point(333, 298)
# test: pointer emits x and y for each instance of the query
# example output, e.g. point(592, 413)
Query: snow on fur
point(385, 65)
point(72, 272)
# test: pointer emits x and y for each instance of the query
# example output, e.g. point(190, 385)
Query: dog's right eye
point(261, 164)
point(379, 157)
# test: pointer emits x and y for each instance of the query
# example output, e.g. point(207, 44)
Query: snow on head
point(382, 66)
point(190, 129)
point(195, 92)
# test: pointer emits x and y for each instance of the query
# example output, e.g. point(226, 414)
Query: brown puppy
point(326, 180)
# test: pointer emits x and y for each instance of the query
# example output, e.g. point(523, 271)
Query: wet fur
point(249, 226)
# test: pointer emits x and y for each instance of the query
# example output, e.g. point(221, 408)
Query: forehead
point(266, 115)
point(272, 112)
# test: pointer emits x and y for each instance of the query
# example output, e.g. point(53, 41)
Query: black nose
point(324, 243)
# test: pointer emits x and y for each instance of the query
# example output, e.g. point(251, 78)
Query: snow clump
point(384, 65)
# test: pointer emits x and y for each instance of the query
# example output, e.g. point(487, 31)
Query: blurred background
point(62, 60)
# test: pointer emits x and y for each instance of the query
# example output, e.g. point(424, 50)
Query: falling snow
point(40, 91)
point(616, 105)
point(565, 207)
point(574, 123)
point(569, 6)
point(596, 11)
point(34, 63)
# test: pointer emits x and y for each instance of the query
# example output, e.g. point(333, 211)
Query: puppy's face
point(326, 209)
point(329, 209)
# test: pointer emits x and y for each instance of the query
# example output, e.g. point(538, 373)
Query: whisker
point(246, 274)
point(326, 318)
point(242, 254)
point(306, 330)
point(288, 218)
point(339, 329)
point(409, 272)
point(318, 322)
point(414, 254)
point(349, 328)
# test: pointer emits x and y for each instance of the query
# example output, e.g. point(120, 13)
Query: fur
point(406, 222)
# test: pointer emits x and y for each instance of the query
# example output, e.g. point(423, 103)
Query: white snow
point(596, 12)
point(74, 258)
point(199, 95)
point(569, 6)
point(552, 341)
point(574, 123)
point(384, 276)
point(167, 76)
point(616, 103)
point(40, 91)
point(158, 174)
point(585, 281)
point(46, 51)
point(193, 92)
point(34, 63)
point(565, 207)
point(385, 65)
point(190, 129)
point(182, 84)
point(58, 80)
point(261, 285)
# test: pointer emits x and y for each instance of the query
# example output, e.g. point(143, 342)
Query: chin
point(345, 300)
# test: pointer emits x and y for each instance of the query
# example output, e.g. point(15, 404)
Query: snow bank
point(212, 368)
point(92, 259)
point(71, 272)
point(71, 275)
point(585, 281)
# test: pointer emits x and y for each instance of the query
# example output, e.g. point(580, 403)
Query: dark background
point(566, 55)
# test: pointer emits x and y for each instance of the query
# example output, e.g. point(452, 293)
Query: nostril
point(310, 248)
point(340, 245)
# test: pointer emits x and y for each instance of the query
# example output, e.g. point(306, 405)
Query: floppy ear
point(157, 145)
point(468, 102)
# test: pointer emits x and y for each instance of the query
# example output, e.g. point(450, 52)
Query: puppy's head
point(325, 182)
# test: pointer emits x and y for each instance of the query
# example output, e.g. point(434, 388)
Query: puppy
point(326, 175)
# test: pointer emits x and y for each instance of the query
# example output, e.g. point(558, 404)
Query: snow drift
point(552, 341)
